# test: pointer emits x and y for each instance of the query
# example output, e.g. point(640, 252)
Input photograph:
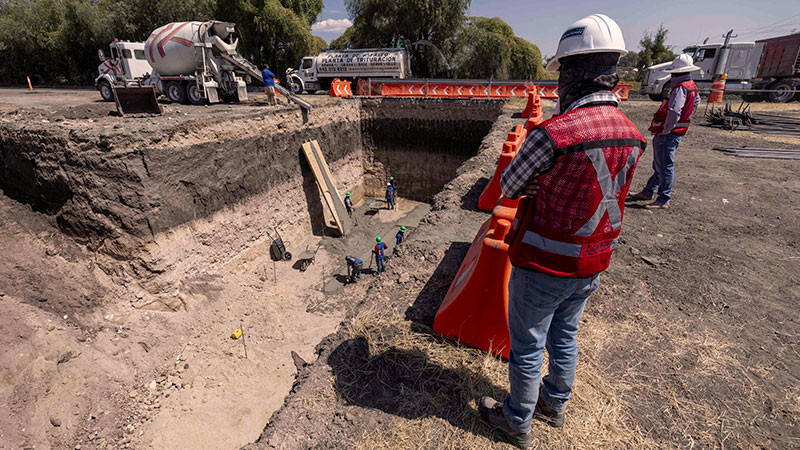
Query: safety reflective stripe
point(560, 248)
point(609, 188)
point(551, 246)
point(681, 124)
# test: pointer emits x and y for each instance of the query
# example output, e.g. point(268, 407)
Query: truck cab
point(305, 77)
point(741, 66)
point(126, 63)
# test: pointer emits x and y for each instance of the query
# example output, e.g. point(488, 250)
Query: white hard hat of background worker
point(597, 33)
point(682, 64)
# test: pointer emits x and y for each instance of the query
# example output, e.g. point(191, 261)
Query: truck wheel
point(106, 91)
point(784, 91)
point(195, 94)
point(296, 87)
point(655, 97)
point(665, 91)
point(175, 92)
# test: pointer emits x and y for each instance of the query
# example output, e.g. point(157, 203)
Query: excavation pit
point(118, 184)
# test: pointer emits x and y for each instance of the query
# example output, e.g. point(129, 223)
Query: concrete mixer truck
point(195, 62)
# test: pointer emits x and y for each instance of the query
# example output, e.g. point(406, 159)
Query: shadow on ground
point(407, 383)
point(469, 201)
point(424, 308)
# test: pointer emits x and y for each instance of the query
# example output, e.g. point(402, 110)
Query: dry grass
point(667, 385)
point(438, 407)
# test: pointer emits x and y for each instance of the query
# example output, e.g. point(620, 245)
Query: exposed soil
point(699, 347)
point(133, 248)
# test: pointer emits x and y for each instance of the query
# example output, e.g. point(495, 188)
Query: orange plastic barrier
point(441, 90)
point(621, 91)
point(548, 92)
point(491, 193)
point(717, 89)
point(475, 309)
point(533, 110)
point(340, 88)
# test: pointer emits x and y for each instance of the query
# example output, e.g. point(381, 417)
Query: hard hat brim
point(555, 63)
point(691, 68)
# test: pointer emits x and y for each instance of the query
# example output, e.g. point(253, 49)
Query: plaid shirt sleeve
point(534, 157)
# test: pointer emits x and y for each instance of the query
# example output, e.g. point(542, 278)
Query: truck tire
point(195, 94)
point(655, 97)
point(106, 91)
point(785, 91)
point(296, 86)
point(665, 90)
point(175, 92)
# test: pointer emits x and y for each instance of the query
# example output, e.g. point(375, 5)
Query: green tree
point(274, 32)
point(431, 25)
point(488, 48)
point(653, 49)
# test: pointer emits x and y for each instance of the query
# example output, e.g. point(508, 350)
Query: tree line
point(55, 42)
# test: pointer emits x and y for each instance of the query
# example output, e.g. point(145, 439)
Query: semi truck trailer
point(317, 72)
point(765, 69)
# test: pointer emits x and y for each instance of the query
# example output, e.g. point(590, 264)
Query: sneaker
point(491, 412)
point(548, 414)
point(640, 196)
point(657, 205)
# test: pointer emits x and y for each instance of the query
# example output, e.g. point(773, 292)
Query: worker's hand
point(663, 133)
point(532, 188)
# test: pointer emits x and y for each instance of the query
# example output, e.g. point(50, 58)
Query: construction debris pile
point(762, 123)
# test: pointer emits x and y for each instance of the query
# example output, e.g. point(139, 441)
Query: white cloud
point(331, 26)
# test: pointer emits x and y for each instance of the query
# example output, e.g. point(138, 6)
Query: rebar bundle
point(742, 118)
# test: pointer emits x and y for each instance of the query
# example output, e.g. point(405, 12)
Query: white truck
point(187, 61)
point(766, 68)
point(316, 72)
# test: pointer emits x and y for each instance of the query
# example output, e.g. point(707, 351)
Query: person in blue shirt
point(354, 266)
point(379, 255)
point(393, 182)
point(401, 236)
point(389, 196)
point(269, 84)
point(348, 203)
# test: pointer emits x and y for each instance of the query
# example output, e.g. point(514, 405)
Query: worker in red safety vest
point(670, 123)
point(573, 173)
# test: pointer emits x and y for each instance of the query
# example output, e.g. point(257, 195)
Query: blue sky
point(688, 21)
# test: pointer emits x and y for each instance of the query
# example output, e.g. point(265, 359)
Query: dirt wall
point(115, 192)
point(421, 142)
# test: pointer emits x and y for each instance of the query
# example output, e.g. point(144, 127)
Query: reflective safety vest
point(686, 113)
point(569, 229)
point(379, 250)
point(353, 261)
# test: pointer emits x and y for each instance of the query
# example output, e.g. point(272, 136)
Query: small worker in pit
point(354, 266)
point(379, 254)
point(348, 203)
point(389, 196)
point(400, 237)
point(269, 84)
point(393, 182)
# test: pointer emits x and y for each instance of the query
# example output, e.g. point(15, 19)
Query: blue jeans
point(390, 203)
point(380, 265)
point(543, 312)
point(663, 166)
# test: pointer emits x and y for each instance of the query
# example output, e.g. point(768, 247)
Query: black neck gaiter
point(581, 75)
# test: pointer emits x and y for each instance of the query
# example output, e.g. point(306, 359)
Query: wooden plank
point(325, 182)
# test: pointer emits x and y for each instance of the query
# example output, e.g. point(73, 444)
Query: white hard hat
point(682, 63)
point(597, 33)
